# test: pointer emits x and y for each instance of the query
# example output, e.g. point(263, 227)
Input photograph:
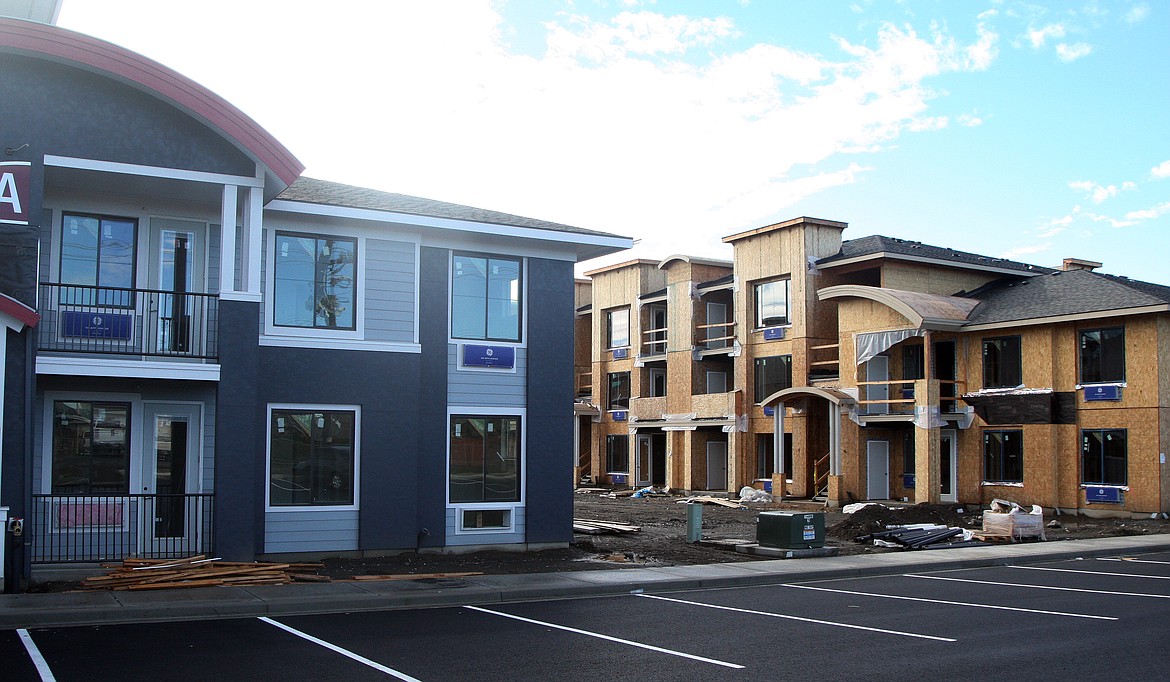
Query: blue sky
point(1029, 130)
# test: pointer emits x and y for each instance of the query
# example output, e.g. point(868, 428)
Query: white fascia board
point(928, 261)
point(494, 229)
point(339, 344)
point(151, 171)
point(127, 369)
point(1077, 317)
point(12, 323)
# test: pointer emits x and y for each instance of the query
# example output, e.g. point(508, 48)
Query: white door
point(645, 461)
point(176, 271)
point(877, 369)
point(877, 466)
point(716, 314)
point(171, 518)
point(948, 467)
point(716, 465)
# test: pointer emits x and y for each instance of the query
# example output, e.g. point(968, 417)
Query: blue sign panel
point(774, 333)
point(1100, 493)
point(769, 411)
point(617, 479)
point(96, 325)
point(621, 353)
point(489, 356)
point(619, 416)
point(1102, 393)
point(908, 481)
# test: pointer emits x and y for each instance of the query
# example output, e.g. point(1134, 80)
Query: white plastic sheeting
point(871, 344)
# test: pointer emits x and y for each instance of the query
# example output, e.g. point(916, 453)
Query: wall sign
point(908, 481)
point(769, 411)
point(15, 194)
point(619, 416)
point(475, 355)
point(621, 353)
point(1100, 493)
point(773, 333)
point(96, 325)
point(1102, 393)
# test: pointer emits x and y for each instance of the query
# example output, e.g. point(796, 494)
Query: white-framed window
point(772, 303)
point(487, 297)
point(485, 465)
point(617, 328)
point(313, 456)
point(314, 281)
point(98, 251)
point(91, 444)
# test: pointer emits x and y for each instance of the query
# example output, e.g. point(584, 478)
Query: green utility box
point(791, 530)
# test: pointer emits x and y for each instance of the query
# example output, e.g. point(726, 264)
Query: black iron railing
point(142, 322)
point(86, 528)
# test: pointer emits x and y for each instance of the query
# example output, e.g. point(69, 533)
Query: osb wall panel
point(863, 315)
point(582, 338)
point(582, 293)
point(1143, 439)
point(1141, 365)
point(1163, 448)
point(931, 279)
point(1162, 325)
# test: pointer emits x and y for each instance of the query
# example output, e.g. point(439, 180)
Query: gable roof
point(1071, 293)
point(877, 246)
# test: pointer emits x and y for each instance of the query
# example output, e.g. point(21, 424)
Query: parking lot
point(1071, 619)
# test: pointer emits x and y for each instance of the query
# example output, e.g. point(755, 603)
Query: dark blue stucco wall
point(239, 435)
point(432, 397)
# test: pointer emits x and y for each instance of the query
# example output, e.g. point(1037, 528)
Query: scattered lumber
point(597, 527)
point(707, 499)
point(199, 571)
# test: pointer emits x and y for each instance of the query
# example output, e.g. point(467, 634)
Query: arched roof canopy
point(833, 395)
point(924, 311)
point(694, 260)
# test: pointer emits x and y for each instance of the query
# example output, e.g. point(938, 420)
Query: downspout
point(30, 373)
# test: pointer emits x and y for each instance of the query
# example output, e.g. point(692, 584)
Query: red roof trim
point(97, 55)
point(18, 311)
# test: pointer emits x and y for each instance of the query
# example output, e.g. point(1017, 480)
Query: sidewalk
point(107, 608)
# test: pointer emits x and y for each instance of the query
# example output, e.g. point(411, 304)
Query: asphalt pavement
point(109, 607)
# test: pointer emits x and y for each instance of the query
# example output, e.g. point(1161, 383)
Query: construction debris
point(750, 494)
point(919, 536)
point(199, 571)
point(1009, 521)
point(707, 499)
point(596, 527)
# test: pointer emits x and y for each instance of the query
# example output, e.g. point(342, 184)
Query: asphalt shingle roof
point(1069, 292)
point(875, 244)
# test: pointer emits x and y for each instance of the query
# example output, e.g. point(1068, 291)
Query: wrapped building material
point(1010, 519)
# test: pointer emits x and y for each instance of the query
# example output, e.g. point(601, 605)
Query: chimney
point(1079, 264)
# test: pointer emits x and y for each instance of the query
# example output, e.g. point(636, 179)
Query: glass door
point(177, 273)
point(171, 514)
point(947, 471)
point(645, 450)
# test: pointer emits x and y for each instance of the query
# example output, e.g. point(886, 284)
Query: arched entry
point(838, 401)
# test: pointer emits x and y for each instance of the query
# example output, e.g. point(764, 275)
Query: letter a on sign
point(14, 191)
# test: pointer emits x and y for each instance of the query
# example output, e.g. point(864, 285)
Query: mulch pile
point(876, 517)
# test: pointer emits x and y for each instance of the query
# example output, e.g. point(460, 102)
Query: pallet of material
point(596, 527)
point(199, 571)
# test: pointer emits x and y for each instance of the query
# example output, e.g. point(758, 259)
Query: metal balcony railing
point(117, 321)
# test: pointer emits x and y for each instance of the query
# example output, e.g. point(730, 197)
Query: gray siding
point(390, 295)
point(455, 539)
point(486, 388)
point(310, 531)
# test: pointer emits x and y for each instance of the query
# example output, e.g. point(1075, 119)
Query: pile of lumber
point(198, 571)
point(596, 527)
point(708, 499)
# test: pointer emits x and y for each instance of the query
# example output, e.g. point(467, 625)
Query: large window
point(98, 252)
point(311, 457)
point(315, 283)
point(1002, 367)
point(617, 454)
point(617, 326)
point(772, 374)
point(485, 459)
point(91, 448)
point(485, 298)
point(772, 303)
point(618, 397)
point(1003, 456)
point(1103, 456)
point(1103, 355)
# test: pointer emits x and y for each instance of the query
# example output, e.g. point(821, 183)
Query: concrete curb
point(109, 608)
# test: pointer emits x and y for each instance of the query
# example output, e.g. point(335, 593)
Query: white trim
point(339, 344)
point(134, 475)
point(271, 329)
point(13, 324)
point(227, 239)
point(523, 340)
point(1074, 317)
point(151, 171)
point(495, 229)
point(509, 509)
point(132, 369)
point(417, 290)
point(357, 451)
point(521, 465)
point(245, 296)
point(930, 261)
point(202, 433)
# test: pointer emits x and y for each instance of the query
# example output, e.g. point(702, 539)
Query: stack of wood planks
point(199, 571)
point(708, 499)
point(596, 527)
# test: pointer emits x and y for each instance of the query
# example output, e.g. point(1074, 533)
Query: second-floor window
point(1102, 355)
point(98, 251)
point(1003, 456)
point(486, 298)
point(772, 374)
point(618, 397)
point(1002, 367)
point(315, 283)
point(617, 328)
point(772, 303)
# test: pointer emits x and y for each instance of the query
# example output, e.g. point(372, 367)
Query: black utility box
point(791, 530)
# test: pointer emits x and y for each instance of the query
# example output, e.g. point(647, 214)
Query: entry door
point(176, 272)
point(716, 465)
point(877, 369)
point(170, 517)
point(877, 465)
point(645, 460)
point(948, 467)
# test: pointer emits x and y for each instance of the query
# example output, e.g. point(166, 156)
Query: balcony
point(144, 323)
point(647, 408)
point(715, 338)
point(713, 405)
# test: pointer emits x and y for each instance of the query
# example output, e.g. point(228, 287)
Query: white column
point(778, 439)
point(834, 439)
point(227, 242)
point(253, 231)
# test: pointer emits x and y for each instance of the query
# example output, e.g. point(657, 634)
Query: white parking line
point(1136, 561)
point(953, 603)
point(1073, 570)
point(608, 638)
point(344, 652)
point(1037, 587)
point(799, 618)
point(35, 654)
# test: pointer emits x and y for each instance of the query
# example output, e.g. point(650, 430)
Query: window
point(618, 397)
point(772, 374)
point(1103, 457)
point(98, 252)
point(315, 285)
point(913, 363)
point(485, 459)
point(485, 298)
point(657, 383)
point(1103, 355)
point(1003, 456)
point(312, 456)
point(766, 455)
point(908, 452)
point(1001, 362)
point(617, 454)
point(716, 382)
point(617, 325)
point(772, 303)
point(91, 448)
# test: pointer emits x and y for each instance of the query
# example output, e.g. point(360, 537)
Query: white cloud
point(1099, 193)
point(1149, 213)
point(1039, 36)
point(1137, 14)
point(925, 123)
point(637, 33)
point(1018, 252)
point(1161, 171)
point(969, 120)
point(1073, 52)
